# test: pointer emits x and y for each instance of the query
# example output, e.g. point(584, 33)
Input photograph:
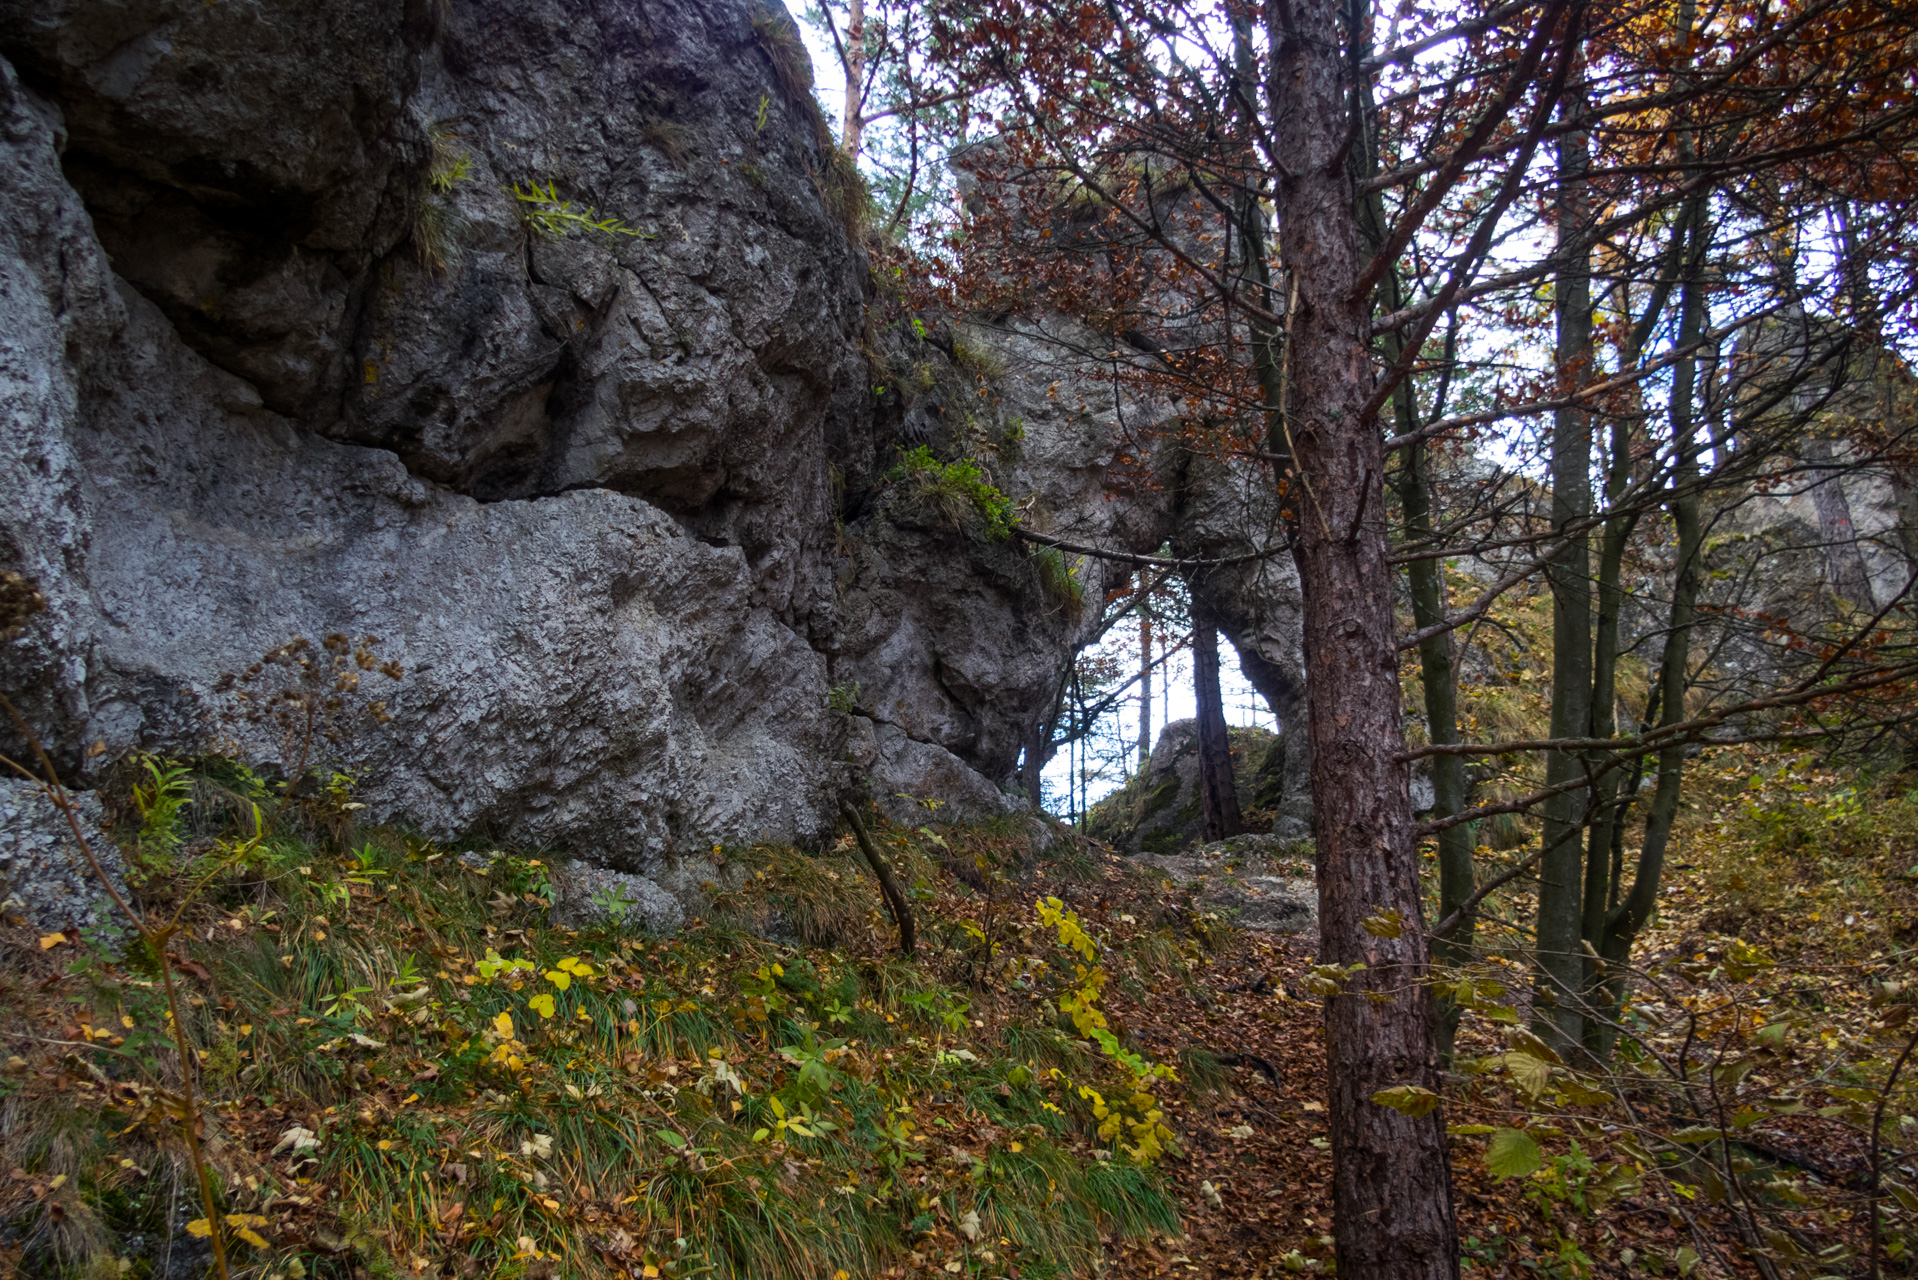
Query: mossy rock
point(1158, 810)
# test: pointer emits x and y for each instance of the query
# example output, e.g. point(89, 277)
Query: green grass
point(350, 990)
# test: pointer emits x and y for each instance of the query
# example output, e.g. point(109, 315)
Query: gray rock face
point(512, 334)
point(44, 873)
point(574, 481)
point(1081, 459)
point(1259, 882)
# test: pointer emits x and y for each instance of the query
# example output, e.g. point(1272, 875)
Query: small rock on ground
point(44, 876)
point(1259, 882)
point(584, 894)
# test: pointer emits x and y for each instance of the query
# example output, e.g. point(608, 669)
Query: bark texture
point(1391, 1177)
point(1218, 796)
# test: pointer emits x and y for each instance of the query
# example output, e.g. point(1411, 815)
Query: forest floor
point(406, 1069)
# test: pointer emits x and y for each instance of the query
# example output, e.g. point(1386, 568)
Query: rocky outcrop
point(242, 403)
point(1158, 809)
point(1260, 882)
point(530, 339)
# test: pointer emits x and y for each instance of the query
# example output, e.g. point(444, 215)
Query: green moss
point(956, 488)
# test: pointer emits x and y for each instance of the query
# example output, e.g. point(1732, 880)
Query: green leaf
point(1408, 1100)
point(1698, 1133)
point(1528, 1073)
point(1580, 1094)
point(669, 1137)
point(1470, 1130)
point(1512, 1154)
point(1531, 1046)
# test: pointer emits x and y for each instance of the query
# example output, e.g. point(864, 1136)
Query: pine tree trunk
point(1391, 1181)
point(1218, 790)
point(854, 125)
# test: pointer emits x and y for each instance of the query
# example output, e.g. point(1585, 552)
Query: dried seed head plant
point(311, 698)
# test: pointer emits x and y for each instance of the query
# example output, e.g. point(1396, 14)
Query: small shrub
point(1057, 580)
point(778, 38)
point(670, 139)
point(547, 215)
point(956, 487)
point(159, 800)
point(978, 361)
point(436, 222)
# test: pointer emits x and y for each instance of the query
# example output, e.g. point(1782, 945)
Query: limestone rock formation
point(286, 354)
point(1259, 882)
point(530, 339)
point(1158, 812)
point(44, 873)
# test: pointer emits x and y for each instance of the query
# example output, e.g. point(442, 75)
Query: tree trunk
point(1607, 811)
point(888, 883)
point(1439, 680)
point(1561, 961)
point(1605, 848)
point(1145, 675)
point(855, 124)
point(1218, 791)
point(1037, 749)
point(1391, 1178)
point(1623, 923)
point(1425, 580)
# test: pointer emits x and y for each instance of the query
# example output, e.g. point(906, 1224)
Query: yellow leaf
point(251, 1236)
point(1408, 1100)
point(559, 978)
point(1385, 924)
point(650, 1270)
point(542, 1005)
point(200, 1228)
point(128, 1024)
point(52, 940)
point(504, 1025)
point(386, 1144)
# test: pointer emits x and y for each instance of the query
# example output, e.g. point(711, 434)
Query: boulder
point(45, 876)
